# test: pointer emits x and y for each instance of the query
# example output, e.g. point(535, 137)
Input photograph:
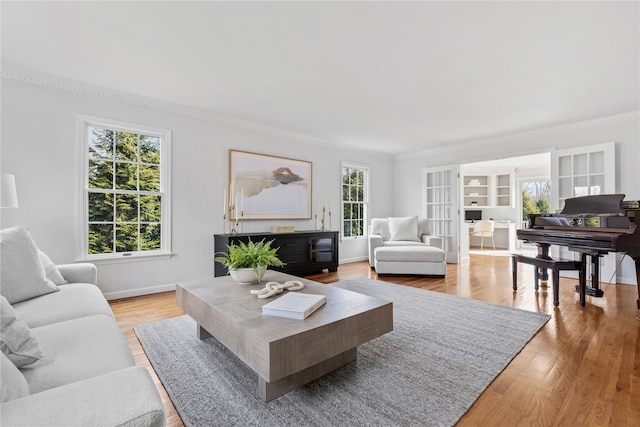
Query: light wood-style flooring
point(581, 369)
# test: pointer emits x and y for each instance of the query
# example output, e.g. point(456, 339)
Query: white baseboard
point(350, 260)
point(626, 280)
point(141, 291)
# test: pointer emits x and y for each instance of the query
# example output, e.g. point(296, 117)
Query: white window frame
point(365, 202)
point(84, 122)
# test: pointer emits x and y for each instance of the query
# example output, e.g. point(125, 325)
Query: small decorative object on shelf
point(275, 288)
point(322, 219)
point(281, 229)
point(254, 256)
point(230, 211)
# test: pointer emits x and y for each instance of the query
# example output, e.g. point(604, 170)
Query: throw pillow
point(21, 271)
point(424, 226)
point(13, 383)
point(51, 270)
point(404, 228)
point(16, 341)
point(380, 226)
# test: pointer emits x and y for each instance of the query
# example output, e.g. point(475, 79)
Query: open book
point(295, 305)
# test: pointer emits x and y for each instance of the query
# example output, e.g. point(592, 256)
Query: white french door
point(440, 205)
point(584, 171)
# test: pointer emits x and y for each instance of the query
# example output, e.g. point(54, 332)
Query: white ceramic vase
point(247, 276)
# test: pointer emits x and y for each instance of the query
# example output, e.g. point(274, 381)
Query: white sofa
point(65, 361)
point(405, 246)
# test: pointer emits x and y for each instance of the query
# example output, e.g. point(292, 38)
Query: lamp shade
point(8, 194)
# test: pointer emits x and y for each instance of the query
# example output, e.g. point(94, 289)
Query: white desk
point(504, 235)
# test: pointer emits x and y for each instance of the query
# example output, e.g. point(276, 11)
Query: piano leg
point(636, 259)
point(582, 280)
point(543, 252)
point(593, 290)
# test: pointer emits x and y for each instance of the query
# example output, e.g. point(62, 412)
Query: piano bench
point(555, 265)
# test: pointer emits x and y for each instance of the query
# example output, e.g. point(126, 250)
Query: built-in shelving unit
point(488, 191)
point(477, 190)
point(503, 190)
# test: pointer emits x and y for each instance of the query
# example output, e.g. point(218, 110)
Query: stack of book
point(295, 305)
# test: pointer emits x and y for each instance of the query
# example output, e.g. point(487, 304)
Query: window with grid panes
point(126, 199)
point(354, 200)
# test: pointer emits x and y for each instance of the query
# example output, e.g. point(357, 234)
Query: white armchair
point(408, 231)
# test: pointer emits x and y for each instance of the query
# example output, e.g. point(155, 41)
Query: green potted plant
point(249, 261)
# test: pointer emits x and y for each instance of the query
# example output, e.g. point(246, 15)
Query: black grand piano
point(592, 226)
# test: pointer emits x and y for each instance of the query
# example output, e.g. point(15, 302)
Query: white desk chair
point(482, 229)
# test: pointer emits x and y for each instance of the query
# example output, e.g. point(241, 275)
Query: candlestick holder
point(232, 221)
point(323, 226)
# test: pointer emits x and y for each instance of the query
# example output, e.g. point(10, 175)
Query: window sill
point(122, 258)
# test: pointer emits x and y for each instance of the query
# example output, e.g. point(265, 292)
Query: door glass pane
point(596, 162)
point(564, 167)
point(565, 188)
point(446, 179)
point(596, 184)
point(580, 164)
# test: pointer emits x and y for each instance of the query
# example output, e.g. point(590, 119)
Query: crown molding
point(76, 86)
point(83, 88)
point(603, 121)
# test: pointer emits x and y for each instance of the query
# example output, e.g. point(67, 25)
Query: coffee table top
point(236, 302)
point(277, 346)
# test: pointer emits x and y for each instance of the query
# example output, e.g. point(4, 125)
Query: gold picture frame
point(262, 186)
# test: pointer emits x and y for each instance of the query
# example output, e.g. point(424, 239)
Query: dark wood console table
point(303, 252)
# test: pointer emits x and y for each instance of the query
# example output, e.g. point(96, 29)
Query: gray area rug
point(444, 351)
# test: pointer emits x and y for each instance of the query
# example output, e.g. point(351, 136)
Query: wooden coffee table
point(285, 353)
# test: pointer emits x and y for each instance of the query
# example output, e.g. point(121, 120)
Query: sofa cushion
point(14, 385)
point(50, 269)
point(380, 226)
point(404, 228)
point(410, 254)
point(75, 350)
point(16, 340)
point(124, 398)
point(74, 300)
point(22, 273)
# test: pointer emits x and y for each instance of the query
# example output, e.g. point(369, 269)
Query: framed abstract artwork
point(269, 187)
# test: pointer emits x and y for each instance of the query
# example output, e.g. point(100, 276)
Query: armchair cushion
point(380, 226)
point(424, 226)
point(404, 228)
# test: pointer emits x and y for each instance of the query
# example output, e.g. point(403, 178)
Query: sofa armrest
point(79, 273)
point(375, 241)
point(430, 240)
point(126, 397)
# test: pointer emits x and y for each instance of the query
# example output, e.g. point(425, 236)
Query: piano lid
point(601, 204)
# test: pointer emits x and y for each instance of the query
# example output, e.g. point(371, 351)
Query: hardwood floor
point(581, 369)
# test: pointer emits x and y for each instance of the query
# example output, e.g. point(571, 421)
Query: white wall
point(624, 130)
point(40, 147)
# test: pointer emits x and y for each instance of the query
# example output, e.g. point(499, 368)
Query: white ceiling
point(394, 77)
